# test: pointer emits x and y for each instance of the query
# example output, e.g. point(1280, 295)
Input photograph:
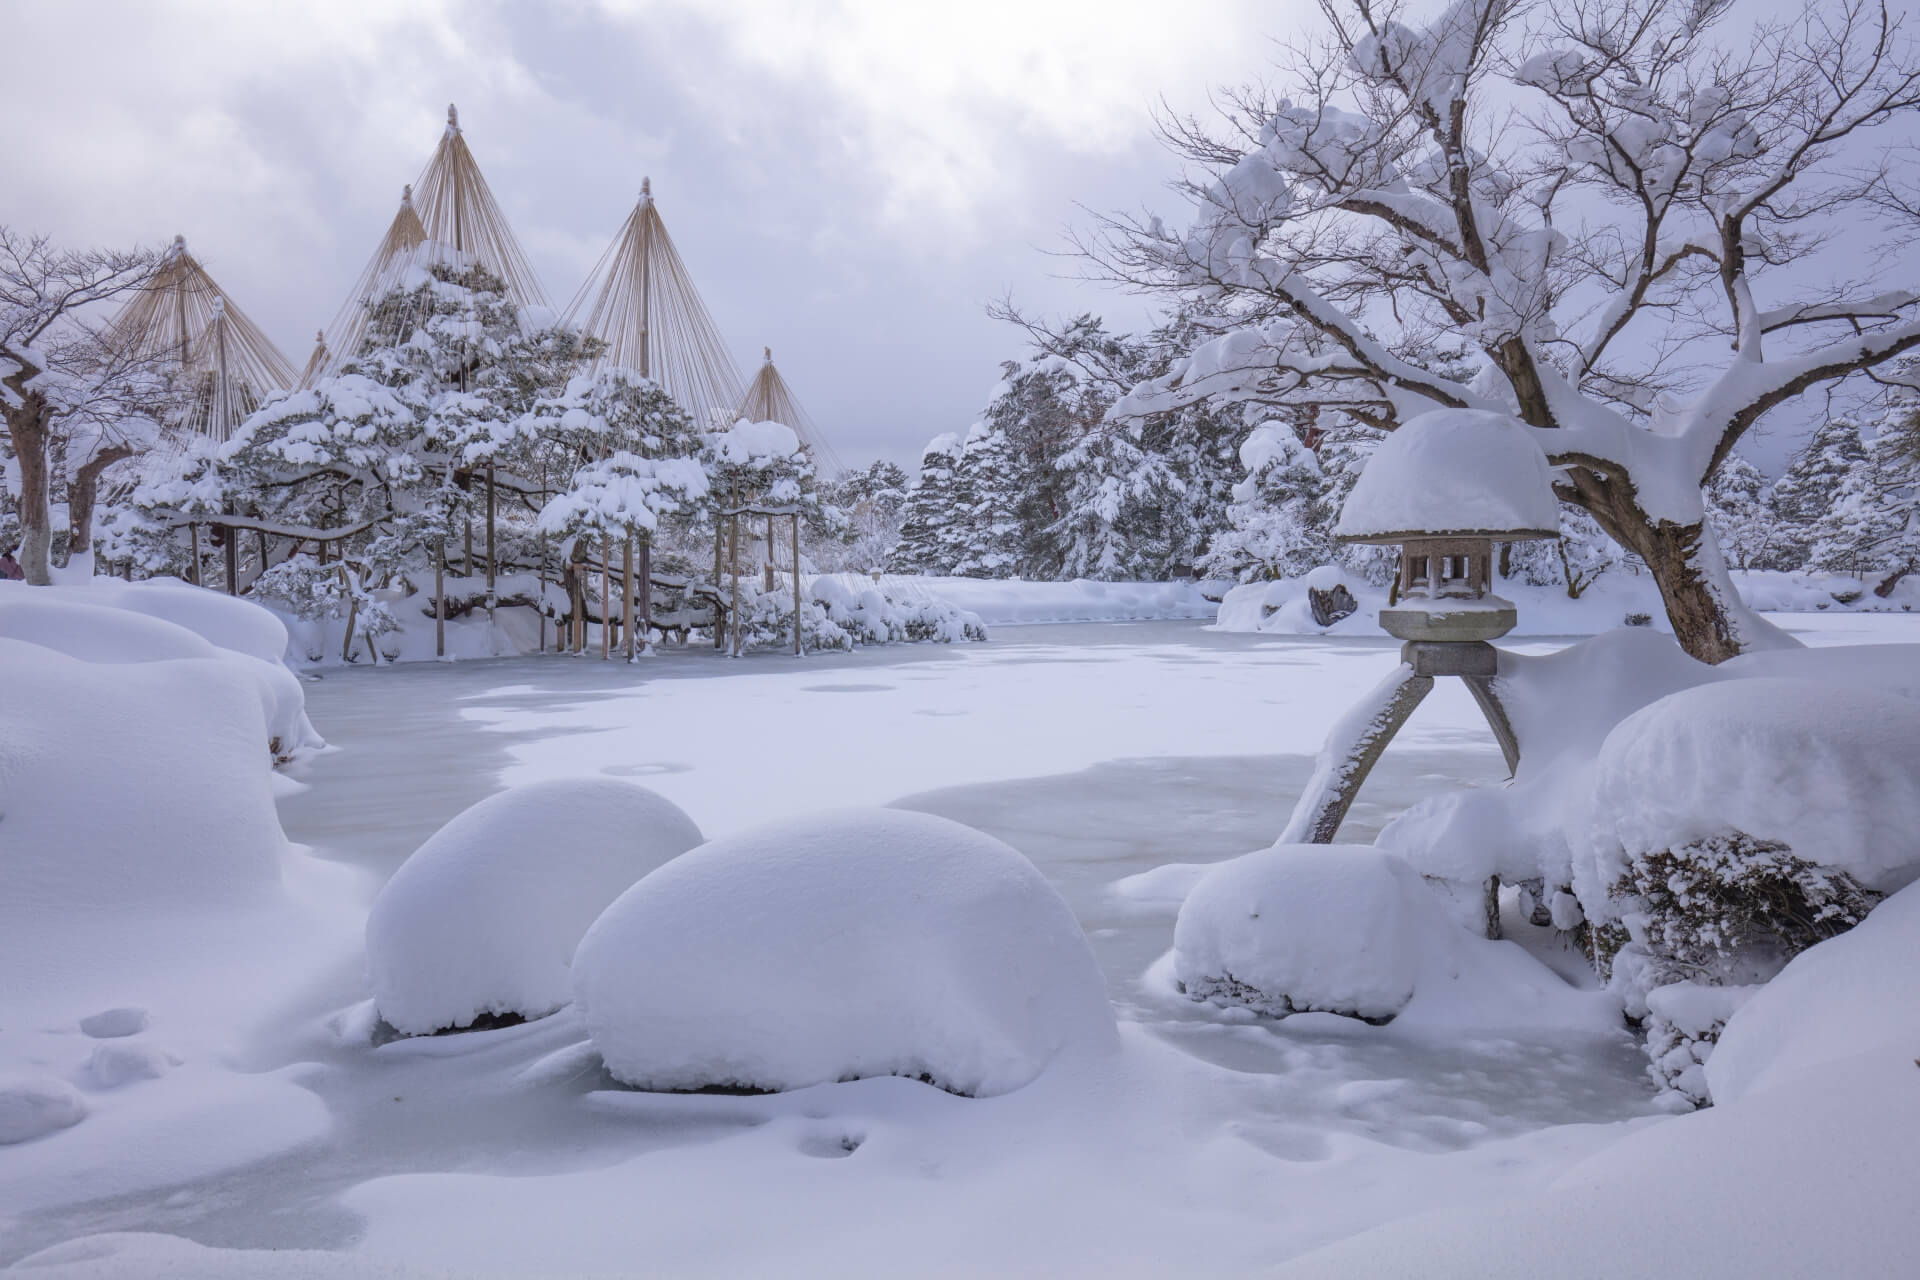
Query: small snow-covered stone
point(111, 1065)
point(484, 917)
point(836, 947)
point(108, 1024)
point(1302, 927)
point(33, 1106)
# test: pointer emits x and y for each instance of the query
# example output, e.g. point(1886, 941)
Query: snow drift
point(851, 944)
point(484, 917)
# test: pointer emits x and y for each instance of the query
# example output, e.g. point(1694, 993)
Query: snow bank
point(34, 1106)
point(484, 917)
point(1302, 927)
point(110, 622)
point(1005, 601)
point(852, 944)
point(1853, 995)
point(131, 784)
point(1829, 769)
point(1453, 470)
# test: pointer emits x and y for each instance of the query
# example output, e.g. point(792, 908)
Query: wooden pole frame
point(646, 592)
point(440, 596)
point(733, 611)
point(193, 537)
point(626, 595)
point(606, 599)
point(797, 649)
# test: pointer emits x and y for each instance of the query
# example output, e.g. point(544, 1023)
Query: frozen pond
point(1099, 751)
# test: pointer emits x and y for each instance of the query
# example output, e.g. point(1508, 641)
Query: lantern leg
point(1495, 711)
point(1352, 747)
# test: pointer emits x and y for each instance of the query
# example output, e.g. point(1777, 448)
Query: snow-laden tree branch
point(1588, 199)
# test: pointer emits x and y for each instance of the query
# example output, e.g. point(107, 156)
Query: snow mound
point(1453, 471)
point(110, 1024)
point(1302, 927)
point(746, 441)
point(1855, 994)
point(111, 1066)
point(846, 945)
point(131, 785)
point(484, 917)
point(34, 1106)
point(108, 622)
point(1830, 770)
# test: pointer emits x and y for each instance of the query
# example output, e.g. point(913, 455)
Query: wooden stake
point(193, 535)
point(797, 650)
point(626, 594)
point(769, 552)
point(606, 599)
point(490, 560)
point(733, 549)
point(231, 541)
point(646, 590)
point(719, 544)
point(353, 613)
point(440, 596)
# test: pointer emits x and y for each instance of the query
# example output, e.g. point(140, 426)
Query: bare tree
point(1589, 195)
point(70, 398)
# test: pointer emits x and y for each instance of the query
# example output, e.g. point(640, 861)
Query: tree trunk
point(27, 426)
point(1709, 619)
point(81, 496)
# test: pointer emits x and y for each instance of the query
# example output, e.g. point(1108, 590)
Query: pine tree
point(989, 483)
point(1740, 508)
point(1802, 495)
point(1277, 525)
point(928, 512)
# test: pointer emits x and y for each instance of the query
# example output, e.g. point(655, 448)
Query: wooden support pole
point(193, 537)
point(440, 596)
point(733, 549)
point(230, 540)
point(646, 591)
point(466, 557)
point(719, 551)
point(769, 552)
point(626, 596)
point(263, 549)
point(797, 650)
point(606, 599)
point(490, 559)
point(353, 614)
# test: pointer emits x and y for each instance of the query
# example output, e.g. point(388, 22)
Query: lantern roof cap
point(1453, 473)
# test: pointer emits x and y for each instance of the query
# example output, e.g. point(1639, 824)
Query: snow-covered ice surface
point(1213, 1143)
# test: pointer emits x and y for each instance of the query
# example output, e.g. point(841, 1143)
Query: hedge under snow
point(836, 947)
point(484, 917)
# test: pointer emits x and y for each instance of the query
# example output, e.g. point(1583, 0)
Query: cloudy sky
point(848, 182)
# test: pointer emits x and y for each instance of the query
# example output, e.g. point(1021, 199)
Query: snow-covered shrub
point(1303, 927)
point(837, 615)
point(482, 920)
point(837, 947)
point(33, 1106)
point(1684, 1022)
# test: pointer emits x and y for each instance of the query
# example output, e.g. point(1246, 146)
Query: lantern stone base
point(1450, 621)
point(1451, 657)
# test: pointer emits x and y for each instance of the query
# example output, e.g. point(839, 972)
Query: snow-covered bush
point(1304, 927)
point(1684, 1022)
point(846, 945)
point(33, 1106)
point(482, 920)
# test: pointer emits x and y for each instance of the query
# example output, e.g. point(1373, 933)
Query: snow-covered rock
point(1302, 927)
point(846, 945)
point(110, 1024)
point(33, 1106)
point(484, 917)
point(108, 622)
point(1855, 994)
point(1831, 770)
point(110, 1066)
point(131, 785)
point(1453, 471)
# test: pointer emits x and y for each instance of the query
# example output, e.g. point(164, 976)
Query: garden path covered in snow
point(1107, 754)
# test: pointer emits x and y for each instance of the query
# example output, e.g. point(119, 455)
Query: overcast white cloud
point(849, 182)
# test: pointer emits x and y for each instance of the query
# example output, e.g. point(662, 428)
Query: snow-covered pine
point(1279, 518)
point(875, 500)
point(1740, 508)
point(928, 512)
point(1807, 488)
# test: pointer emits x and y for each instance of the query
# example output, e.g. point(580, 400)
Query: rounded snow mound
point(1830, 770)
point(483, 919)
point(34, 1106)
point(836, 947)
point(1300, 927)
point(1460, 471)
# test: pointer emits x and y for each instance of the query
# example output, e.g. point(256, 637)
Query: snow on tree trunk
point(28, 426)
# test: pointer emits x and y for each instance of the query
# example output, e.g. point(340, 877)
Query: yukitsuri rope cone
point(317, 362)
point(182, 316)
point(642, 303)
point(450, 205)
point(770, 399)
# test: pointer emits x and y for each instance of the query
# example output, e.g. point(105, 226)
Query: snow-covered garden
point(1362, 777)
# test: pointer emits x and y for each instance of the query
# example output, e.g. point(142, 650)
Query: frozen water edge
point(1079, 745)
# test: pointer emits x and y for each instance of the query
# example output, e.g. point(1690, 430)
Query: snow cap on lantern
point(1446, 486)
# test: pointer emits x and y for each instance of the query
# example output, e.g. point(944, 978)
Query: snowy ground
point(1213, 1144)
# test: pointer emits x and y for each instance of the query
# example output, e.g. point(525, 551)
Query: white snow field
point(229, 1110)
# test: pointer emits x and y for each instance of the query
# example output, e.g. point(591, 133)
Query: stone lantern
point(1445, 488)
